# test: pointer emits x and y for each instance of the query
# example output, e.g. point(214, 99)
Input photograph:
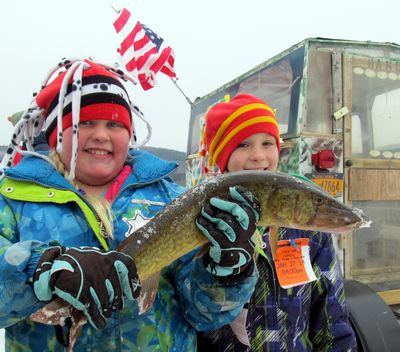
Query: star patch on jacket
point(135, 223)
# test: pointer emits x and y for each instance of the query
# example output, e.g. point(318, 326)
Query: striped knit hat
point(84, 90)
point(102, 97)
point(228, 124)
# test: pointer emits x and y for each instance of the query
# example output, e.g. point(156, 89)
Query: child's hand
point(92, 281)
point(229, 224)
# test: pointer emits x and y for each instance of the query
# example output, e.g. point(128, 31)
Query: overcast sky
point(214, 42)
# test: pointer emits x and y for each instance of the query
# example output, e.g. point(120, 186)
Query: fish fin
point(203, 250)
point(238, 327)
point(78, 320)
point(148, 292)
point(273, 240)
point(56, 313)
point(53, 313)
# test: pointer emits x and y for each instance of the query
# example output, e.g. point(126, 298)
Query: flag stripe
point(128, 27)
point(145, 60)
point(160, 60)
point(121, 20)
point(168, 70)
point(130, 38)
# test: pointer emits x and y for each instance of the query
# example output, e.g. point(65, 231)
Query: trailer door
point(372, 171)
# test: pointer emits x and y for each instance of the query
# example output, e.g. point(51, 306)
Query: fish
point(286, 201)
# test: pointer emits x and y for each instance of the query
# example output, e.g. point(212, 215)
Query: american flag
point(142, 51)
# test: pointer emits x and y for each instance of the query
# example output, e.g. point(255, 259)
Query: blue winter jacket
point(37, 206)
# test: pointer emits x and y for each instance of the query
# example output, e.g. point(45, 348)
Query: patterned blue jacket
point(37, 205)
point(310, 317)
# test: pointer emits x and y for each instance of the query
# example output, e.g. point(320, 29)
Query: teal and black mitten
point(95, 282)
point(230, 224)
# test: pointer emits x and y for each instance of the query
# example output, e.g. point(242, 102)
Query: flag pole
point(186, 97)
point(117, 10)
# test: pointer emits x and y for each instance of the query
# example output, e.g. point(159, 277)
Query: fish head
point(293, 202)
point(320, 211)
point(335, 217)
point(305, 206)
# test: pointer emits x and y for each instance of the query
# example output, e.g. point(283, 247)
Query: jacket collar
point(147, 167)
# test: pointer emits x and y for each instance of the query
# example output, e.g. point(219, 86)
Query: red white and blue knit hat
point(227, 124)
point(102, 97)
point(84, 90)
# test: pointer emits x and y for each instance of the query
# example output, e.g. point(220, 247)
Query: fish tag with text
point(292, 263)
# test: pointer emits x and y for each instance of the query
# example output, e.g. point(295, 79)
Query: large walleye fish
point(286, 201)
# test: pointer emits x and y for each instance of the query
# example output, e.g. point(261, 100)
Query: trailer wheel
point(374, 323)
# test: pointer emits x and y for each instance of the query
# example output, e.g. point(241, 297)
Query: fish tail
point(238, 327)
point(148, 292)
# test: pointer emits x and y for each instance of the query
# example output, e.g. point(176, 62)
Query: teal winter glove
point(229, 224)
point(95, 282)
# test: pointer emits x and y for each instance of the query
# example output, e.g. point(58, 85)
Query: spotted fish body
point(285, 200)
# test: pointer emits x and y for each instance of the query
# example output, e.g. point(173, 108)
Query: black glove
point(92, 281)
point(230, 224)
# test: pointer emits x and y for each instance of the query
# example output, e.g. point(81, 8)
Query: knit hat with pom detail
point(229, 123)
point(102, 97)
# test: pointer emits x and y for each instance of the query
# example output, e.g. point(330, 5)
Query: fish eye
point(319, 201)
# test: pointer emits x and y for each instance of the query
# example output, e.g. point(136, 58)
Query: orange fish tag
point(292, 263)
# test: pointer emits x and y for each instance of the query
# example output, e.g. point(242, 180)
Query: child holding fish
point(64, 214)
point(287, 312)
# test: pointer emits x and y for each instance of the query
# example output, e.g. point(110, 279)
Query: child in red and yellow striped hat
point(243, 134)
point(230, 124)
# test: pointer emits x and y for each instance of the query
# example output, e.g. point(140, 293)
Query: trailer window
point(356, 142)
point(318, 117)
point(386, 122)
point(274, 86)
point(278, 83)
point(375, 110)
point(376, 250)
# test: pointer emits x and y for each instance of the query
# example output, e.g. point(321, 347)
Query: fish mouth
point(335, 219)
